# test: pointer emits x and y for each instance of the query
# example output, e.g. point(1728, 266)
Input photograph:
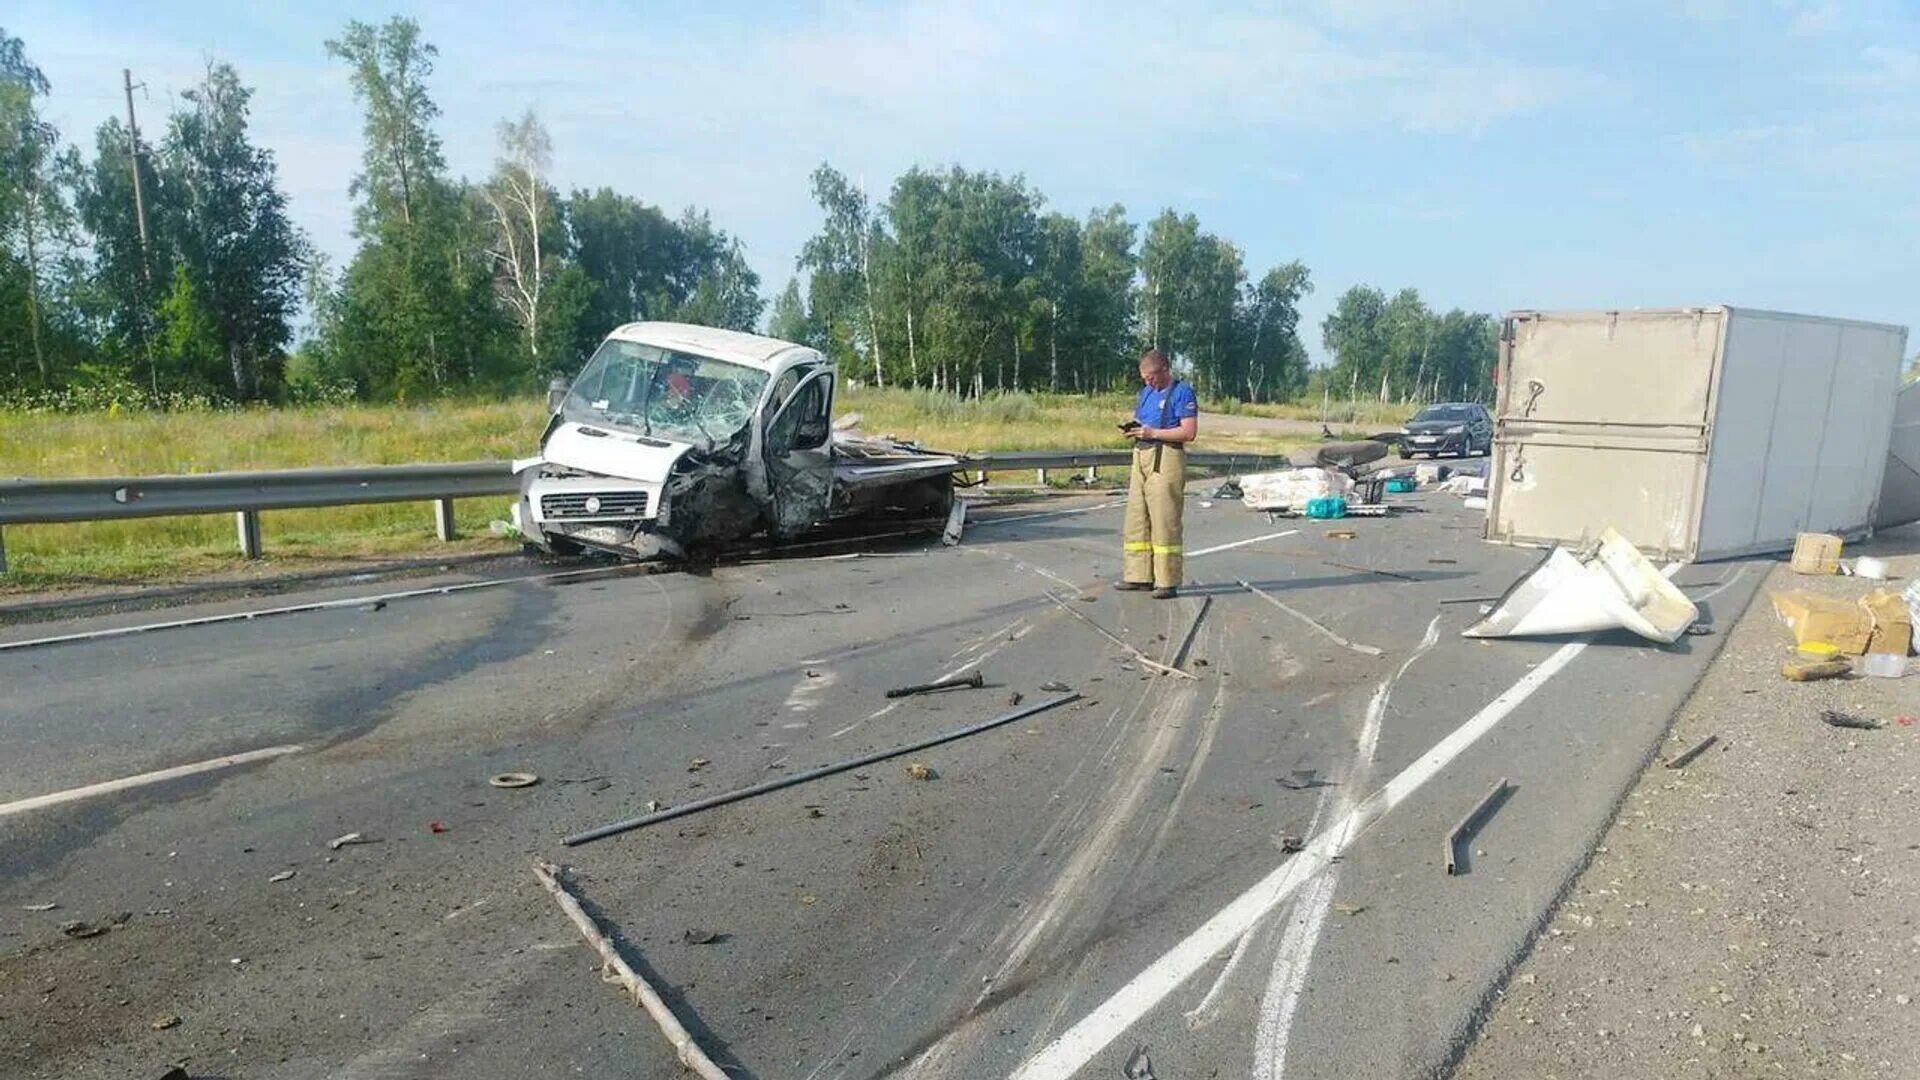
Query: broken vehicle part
point(1815, 670)
point(615, 967)
point(972, 680)
point(1836, 718)
point(1179, 655)
point(1470, 823)
point(812, 774)
point(1610, 586)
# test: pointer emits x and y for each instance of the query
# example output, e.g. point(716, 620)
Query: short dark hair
point(1156, 358)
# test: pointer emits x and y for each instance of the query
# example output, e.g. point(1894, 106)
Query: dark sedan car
point(1461, 428)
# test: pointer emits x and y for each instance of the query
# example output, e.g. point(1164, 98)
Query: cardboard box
point(1876, 623)
point(1816, 553)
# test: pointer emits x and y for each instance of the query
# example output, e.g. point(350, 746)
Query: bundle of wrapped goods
point(1291, 489)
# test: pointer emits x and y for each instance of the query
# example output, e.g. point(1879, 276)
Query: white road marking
point(1240, 543)
point(40, 802)
point(317, 605)
point(1309, 620)
point(1078, 1045)
point(805, 696)
point(1294, 958)
point(1723, 586)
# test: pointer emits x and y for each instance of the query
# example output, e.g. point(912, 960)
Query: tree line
point(191, 288)
point(172, 267)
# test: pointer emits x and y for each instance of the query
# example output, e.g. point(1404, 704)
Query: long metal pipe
point(723, 799)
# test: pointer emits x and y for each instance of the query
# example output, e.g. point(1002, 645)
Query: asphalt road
point(1101, 877)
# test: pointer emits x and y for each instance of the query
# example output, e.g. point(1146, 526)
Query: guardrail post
point(248, 526)
point(1042, 475)
point(1093, 473)
point(3, 551)
point(983, 476)
point(443, 519)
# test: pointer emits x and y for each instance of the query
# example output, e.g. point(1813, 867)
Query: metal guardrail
point(247, 494)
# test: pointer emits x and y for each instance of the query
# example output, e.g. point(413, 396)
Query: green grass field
point(164, 549)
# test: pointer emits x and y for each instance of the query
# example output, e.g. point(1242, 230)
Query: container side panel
point(1648, 369)
point(1810, 353)
point(1740, 446)
point(1853, 456)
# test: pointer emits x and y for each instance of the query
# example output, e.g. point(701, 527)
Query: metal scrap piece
point(1469, 822)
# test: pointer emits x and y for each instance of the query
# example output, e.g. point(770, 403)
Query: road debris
point(1836, 718)
point(656, 816)
point(920, 770)
point(1607, 586)
point(284, 875)
point(436, 827)
point(1680, 760)
point(1342, 534)
point(1055, 686)
point(1367, 650)
point(697, 764)
point(700, 937)
point(1292, 845)
point(1137, 656)
point(1139, 1066)
point(346, 839)
point(164, 1022)
point(1877, 622)
point(513, 780)
point(1349, 910)
point(1300, 780)
point(38, 907)
point(1470, 823)
point(177, 1072)
point(613, 965)
point(973, 680)
point(1014, 699)
point(80, 929)
point(1814, 670)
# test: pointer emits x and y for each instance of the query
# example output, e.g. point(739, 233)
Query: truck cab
point(673, 435)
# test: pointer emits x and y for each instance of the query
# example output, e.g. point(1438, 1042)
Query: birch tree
point(522, 213)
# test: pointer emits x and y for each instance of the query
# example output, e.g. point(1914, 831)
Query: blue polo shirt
point(1166, 408)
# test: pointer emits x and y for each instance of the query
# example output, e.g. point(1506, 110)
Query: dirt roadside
point(1755, 913)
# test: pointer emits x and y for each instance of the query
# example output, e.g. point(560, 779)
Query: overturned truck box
point(1697, 433)
point(676, 436)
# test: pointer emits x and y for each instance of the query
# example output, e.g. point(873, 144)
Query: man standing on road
point(1165, 419)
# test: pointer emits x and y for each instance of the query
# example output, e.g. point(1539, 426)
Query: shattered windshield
point(652, 390)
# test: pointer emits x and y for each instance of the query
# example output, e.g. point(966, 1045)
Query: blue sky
point(1494, 155)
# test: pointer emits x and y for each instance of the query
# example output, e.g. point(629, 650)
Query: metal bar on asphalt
point(1467, 823)
point(1139, 657)
point(644, 995)
point(973, 681)
point(1680, 760)
point(723, 799)
point(1179, 655)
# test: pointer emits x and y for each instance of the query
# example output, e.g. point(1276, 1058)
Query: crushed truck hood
point(607, 452)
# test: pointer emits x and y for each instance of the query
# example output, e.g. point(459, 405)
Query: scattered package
point(1465, 485)
point(1292, 489)
point(1816, 553)
point(1875, 623)
point(1431, 472)
point(1607, 586)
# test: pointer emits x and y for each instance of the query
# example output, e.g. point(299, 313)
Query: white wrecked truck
point(676, 437)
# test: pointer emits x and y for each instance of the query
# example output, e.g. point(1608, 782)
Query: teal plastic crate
point(1400, 485)
point(1333, 507)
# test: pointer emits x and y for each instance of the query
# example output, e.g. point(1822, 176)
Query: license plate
point(1426, 438)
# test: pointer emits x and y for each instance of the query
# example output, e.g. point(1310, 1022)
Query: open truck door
point(798, 448)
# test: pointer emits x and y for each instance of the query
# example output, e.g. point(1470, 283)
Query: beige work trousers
point(1155, 498)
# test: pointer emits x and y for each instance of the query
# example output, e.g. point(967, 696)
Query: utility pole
point(140, 217)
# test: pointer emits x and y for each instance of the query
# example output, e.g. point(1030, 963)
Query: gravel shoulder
point(1751, 914)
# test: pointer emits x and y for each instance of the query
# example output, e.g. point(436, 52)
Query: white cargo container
point(1698, 433)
